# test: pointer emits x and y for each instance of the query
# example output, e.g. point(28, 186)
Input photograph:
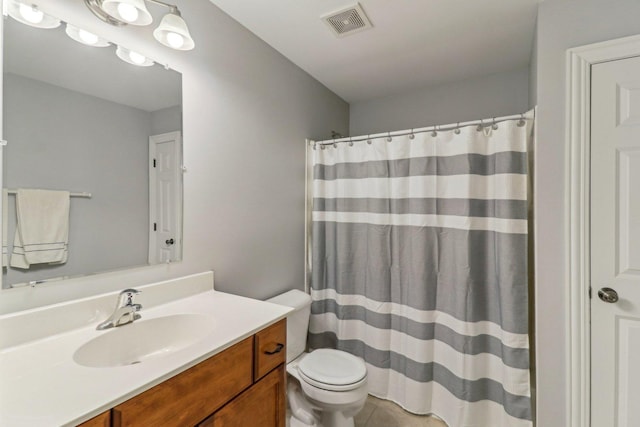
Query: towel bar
point(80, 194)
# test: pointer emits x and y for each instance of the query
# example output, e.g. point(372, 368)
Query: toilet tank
point(297, 320)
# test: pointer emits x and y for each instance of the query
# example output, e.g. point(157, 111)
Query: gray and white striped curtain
point(419, 266)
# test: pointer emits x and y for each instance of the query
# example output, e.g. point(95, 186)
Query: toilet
point(326, 387)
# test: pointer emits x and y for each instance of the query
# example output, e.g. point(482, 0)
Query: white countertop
point(41, 385)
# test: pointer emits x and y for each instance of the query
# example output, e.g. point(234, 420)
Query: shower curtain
point(419, 266)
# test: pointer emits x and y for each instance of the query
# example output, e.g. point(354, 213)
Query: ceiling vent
point(347, 21)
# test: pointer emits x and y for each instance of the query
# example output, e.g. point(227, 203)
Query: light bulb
point(87, 37)
point(175, 40)
point(137, 58)
point(127, 12)
point(31, 14)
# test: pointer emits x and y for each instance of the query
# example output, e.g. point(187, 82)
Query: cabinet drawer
point(270, 349)
point(190, 397)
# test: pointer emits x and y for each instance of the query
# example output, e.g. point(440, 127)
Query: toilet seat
point(332, 370)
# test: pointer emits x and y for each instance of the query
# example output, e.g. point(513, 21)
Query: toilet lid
point(328, 367)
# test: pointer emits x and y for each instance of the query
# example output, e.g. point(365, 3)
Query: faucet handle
point(127, 296)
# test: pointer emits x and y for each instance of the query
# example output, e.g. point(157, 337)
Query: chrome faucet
point(126, 311)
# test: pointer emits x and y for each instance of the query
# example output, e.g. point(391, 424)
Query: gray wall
point(66, 140)
point(483, 97)
point(561, 25)
point(166, 120)
point(246, 113)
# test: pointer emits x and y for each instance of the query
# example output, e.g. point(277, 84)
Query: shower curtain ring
point(434, 132)
point(457, 129)
point(411, 135)
point(480, 126)
point(521, 122)
point(369, 139)
point(495, 125)
point(350, 142)
point(389, 139)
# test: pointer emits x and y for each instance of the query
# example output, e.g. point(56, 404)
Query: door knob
point(169, 242)
point(608, 295)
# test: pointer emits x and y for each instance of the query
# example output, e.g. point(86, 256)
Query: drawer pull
point(278, 349)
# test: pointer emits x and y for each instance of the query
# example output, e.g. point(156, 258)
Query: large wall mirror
point(78, 118)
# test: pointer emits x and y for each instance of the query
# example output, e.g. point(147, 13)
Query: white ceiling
point(413, 43)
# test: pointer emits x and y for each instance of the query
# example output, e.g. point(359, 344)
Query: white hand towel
point(42, 232)
point(5, 227)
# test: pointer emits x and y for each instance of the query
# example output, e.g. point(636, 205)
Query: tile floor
point(383, 413)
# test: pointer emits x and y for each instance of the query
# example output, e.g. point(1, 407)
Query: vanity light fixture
point(132, 12)
point(133, 57)
point(30, 15)
point(85, 37)
point(171, 32)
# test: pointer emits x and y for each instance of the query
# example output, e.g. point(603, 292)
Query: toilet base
point(307, 412)
point(294, 422)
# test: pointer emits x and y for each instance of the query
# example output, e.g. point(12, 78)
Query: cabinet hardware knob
point(278, 349)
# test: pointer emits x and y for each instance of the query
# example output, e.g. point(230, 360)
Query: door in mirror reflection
point(165, 173)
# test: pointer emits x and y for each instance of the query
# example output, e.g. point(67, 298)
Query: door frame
point(577, 216)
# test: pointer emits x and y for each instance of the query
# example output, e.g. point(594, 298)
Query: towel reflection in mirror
point(42, 231)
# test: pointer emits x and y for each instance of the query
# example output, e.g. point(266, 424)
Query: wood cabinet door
point(262, 405)
point(102, 420)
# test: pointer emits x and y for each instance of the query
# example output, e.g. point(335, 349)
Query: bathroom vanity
point(241, 386)
point(203, 358)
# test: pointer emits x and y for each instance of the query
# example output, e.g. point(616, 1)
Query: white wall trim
point(579, 62)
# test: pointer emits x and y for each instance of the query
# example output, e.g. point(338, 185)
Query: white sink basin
point(144, 339)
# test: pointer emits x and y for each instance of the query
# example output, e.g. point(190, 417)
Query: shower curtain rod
point(529, 115)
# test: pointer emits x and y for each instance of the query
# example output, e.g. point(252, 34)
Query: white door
point(615, 244)
point(165, 198)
